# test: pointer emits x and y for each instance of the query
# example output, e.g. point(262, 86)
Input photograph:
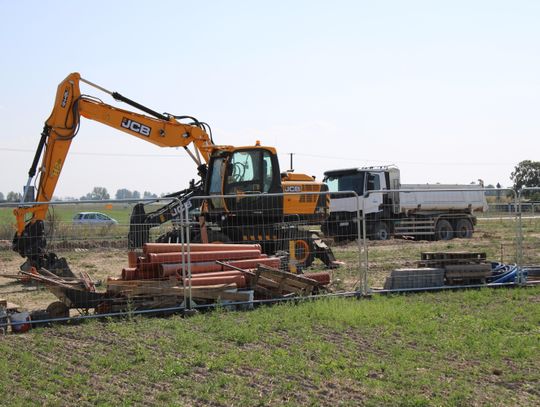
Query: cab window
point(249, 171)
point(215, 181)
point(268, 173)
point(374, 183)
point(346, 182)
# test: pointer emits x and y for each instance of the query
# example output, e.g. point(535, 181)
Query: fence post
point(364, 242)
point(519, 238)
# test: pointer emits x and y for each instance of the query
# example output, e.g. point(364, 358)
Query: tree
point(123, 194)
point(526, 174)
point(136, 195)
point(97, 194)
point(1, 196)
point(13, 196)
point(149, 195)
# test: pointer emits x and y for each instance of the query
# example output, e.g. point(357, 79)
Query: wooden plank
point(249, 273)
point(47, 280)
point(117, 286)
point(291, 276)
point(292, 283)
point(221, 292)
point(88, 284)
point(280, 287)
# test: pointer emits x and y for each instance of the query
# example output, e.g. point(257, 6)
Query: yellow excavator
point(265, 206)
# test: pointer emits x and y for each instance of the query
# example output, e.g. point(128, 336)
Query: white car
point(93, 218)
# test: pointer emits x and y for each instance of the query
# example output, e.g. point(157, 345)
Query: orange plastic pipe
point(129, 273)
point(170, 269)
point(195, 247)
point(153, 258)
point(216, 274)
point(322, 277)
point(176, 268)
point(253, 263)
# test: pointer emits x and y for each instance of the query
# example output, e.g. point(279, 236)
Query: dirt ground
point(101, 262)
point(98, 263)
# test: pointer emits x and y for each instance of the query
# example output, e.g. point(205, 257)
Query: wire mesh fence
point(174, 254)
point(444, 237)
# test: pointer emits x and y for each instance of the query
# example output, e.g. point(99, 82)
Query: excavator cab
point(249, 173)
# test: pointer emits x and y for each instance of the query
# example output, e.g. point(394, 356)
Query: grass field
point(460, 348)
point(64, 213)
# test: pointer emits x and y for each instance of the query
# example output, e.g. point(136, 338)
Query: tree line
point(101, 193)
point(525, 174)
point(97, 194)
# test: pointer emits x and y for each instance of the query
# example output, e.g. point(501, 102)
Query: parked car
point(93, 218)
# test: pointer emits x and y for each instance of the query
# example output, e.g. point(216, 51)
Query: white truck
point(417, 211)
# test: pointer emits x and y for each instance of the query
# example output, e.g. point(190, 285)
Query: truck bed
point(426, 197)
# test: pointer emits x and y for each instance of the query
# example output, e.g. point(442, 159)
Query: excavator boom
point(61, 127)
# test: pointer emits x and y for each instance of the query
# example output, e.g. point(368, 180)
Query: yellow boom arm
point(62, 126)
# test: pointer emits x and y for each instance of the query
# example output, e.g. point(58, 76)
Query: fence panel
point(104, 241)
point(384, 240)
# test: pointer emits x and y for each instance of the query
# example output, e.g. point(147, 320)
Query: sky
point(447, 91)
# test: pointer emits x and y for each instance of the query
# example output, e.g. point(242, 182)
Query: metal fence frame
point(362, 243)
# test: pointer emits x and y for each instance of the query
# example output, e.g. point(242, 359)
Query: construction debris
point(166, 275)
point(436, 269)
point(270, 282)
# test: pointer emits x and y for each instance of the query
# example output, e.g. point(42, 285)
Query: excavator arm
point(62, 126)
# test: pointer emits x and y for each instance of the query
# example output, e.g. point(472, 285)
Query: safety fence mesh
point(257, 247)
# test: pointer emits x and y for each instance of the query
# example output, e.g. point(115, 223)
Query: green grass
point(64, 213)
point(462, 348)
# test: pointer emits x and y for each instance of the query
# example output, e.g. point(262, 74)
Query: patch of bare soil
point(98, 263)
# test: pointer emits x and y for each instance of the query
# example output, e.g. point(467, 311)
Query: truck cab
point(345, 208)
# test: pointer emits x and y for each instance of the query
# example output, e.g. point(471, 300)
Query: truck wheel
point(443, 230)
point(464, 229)
point(380, 231)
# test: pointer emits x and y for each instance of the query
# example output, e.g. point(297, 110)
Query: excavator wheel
point(303, 251)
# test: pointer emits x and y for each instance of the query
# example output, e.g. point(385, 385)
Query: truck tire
point(380, 231)
point(464, 229)
point(443, 230)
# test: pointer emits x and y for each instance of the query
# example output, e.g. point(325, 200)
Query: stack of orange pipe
point(163, 260)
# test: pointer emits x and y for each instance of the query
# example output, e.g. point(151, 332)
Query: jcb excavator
point(250, 173)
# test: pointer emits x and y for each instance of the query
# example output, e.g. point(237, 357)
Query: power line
point(21, 150)
point(326, 157)
point(371, 160)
